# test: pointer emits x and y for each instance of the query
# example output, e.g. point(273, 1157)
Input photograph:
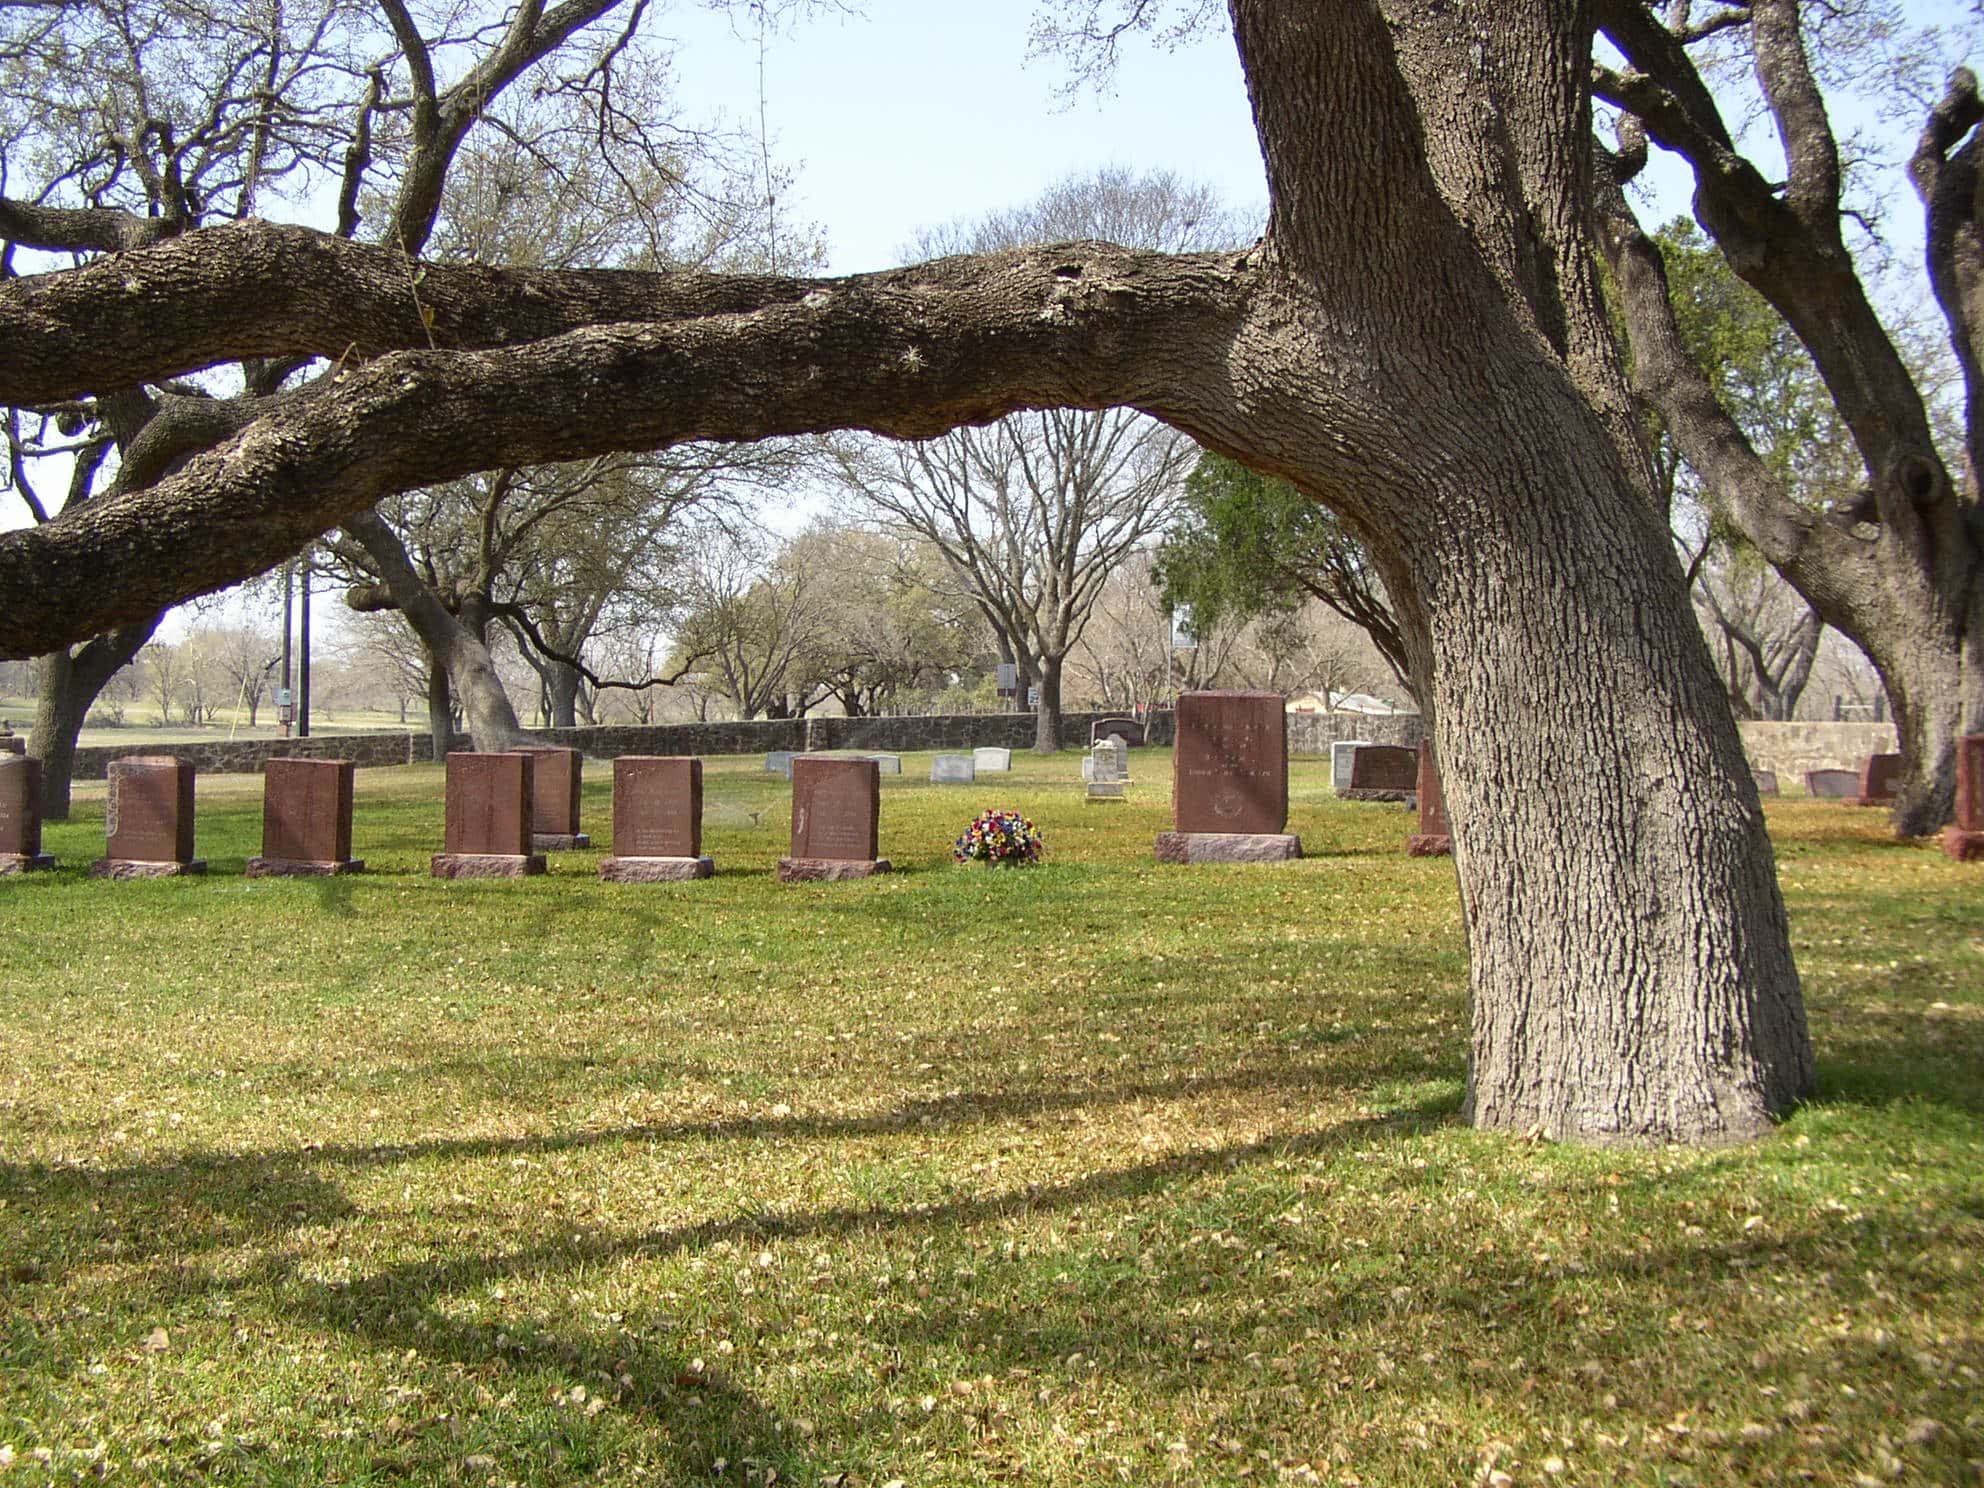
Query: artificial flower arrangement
point(1003, 839)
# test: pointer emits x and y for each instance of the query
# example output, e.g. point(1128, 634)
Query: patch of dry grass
point(1093, 1173)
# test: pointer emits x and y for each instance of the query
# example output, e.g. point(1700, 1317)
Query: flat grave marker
point(953, 769)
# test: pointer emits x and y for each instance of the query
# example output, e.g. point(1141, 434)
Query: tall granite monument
point(489, 818)
point(836, 820)
point(148, 820)
point(306, 819)
point(1229, 793)
point(657, 820)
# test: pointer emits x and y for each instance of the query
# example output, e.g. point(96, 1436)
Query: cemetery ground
point(1098, 1172)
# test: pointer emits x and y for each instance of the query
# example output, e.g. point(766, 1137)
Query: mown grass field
point(1095, 1173)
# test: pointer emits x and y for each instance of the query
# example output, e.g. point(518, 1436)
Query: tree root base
point(1429, 845)
point(1965, 847)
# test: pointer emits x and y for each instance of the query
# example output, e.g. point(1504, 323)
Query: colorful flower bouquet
point(1001, 839)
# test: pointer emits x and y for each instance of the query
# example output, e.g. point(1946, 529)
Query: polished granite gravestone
point(657, 820)
point(20, 816)
point(1880, 780)
point(555, 787)
point(836, 820)
point(489, 818)
point(1229, 791)
point(1832, 785)
point(148, 820)
point(1381, 772)
point(1435, 835)
point(1964, 839)
point(306, 819)
point(991, 761)
point(953, 769)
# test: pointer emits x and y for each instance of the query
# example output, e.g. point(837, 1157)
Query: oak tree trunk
point(440, 707)
point(71, 681)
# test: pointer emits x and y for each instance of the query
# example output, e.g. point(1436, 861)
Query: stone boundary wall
point(1308, 733)
point(1793, 748)
point(1313, 733)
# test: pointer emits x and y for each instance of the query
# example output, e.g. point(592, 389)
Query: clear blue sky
point(910, 115)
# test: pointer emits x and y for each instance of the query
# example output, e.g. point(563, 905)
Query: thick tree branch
point(1091, 328)
point(259, 290)
point(81, 229)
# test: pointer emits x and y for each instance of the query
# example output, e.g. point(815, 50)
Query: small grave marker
point(952, 769)
point(1381, 772)
point(1880, 780)
point(1435, 836)
point(1832, 785)
point(991, 761)
point(1964, 839)
point(20, 816)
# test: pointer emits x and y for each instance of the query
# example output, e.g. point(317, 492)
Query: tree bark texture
point(1415, 342)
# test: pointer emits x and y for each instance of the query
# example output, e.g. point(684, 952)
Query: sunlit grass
point(1092, 1173)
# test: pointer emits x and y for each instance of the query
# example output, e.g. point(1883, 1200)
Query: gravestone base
point(302, 867)
point(133, 868)
point(544, 842)
point(1429, 845)
point(11, 863)
point(1871, 801)
point(1228, 847)
point(1965, 847)
point(1371, 793)
point(828, 870)
point(1106, 790)
point(654, 870)
point(487, 865)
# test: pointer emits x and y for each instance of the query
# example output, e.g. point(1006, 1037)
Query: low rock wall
point(1793, 748)
point(1308, 733)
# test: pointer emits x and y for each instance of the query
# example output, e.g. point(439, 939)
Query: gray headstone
point(1341, 755)
point(887, 764)
point(992, 759)
point(1766, 782)
point(1832, 785)
point(779, 762)
point(952, 769)
point(1108, 761)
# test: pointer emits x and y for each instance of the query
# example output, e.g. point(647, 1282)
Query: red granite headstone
point(148, 819)
point(836, 819)
point(1435, 836)
point(489, 817)
point(1381, 772)
point(1880, 780)
point(306, 819)
point(1964, 840)
point(20, 815)
point(1230, 769)
point(657, 820)
point(554, 797)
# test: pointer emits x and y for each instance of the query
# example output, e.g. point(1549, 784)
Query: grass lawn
point(1096, 1173)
